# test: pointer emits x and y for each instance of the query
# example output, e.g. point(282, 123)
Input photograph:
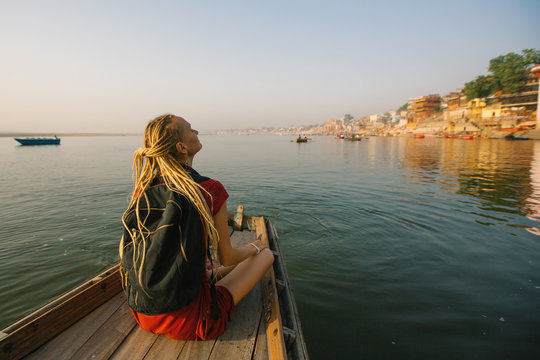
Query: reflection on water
point(503, 175)
point(533, 201)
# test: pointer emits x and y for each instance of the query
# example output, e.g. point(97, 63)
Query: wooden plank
point(197, 350)
point(59, 300)
point(238, 217)
point(68, 342)
point(136, 345)
point(102, 344)
point(165, 348)
point(296, 345)
point(274, 333)
point(241, 238)
point(37, 328)
point(261, 347)
point(238, 340)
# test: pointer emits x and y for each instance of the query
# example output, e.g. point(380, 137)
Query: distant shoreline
point(30, 134)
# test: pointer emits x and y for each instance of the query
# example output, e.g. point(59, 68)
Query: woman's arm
point(227, 254)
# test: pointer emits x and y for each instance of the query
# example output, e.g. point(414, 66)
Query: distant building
point(424, 106)
point(377, 119)
point(455, 107)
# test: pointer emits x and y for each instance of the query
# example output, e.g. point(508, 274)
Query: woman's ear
point(181, 148)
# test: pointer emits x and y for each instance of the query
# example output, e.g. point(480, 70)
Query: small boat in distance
point(39, 141)
point(420, 136)
point(513, 137)
point(355, 138)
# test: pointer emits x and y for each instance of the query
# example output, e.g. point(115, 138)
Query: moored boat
point(94, 321)
point(355, 138)
point(466, 137)
point(513, 137)
point(419, 136)
point(302, 140)
point(39, 141)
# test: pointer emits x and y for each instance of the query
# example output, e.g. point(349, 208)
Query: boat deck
point(109, 331)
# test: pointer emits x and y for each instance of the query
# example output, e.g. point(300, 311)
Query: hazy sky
point(110, 66)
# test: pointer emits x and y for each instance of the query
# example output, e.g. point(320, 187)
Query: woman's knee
point(268, 257)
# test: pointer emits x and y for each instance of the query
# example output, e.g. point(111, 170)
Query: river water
point(397, 248)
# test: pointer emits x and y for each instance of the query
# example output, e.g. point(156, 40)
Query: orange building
point(423, 107)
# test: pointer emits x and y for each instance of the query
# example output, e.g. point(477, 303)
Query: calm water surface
point(397, 248)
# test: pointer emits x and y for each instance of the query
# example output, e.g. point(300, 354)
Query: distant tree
point(509, 72)
point(387, 114)
point(403, 107)
point(532, 56)
point(348, 118)
point(480, 87)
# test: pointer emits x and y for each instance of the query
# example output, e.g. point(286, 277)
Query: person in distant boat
point(175, 233)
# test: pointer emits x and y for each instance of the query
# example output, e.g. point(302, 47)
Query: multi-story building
point(423, 107)
point(455, 107)
point(377, 119)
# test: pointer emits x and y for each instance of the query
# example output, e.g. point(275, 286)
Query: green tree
point(532, 56)
point(403, 107)
point(480, 87)
point(509, 72)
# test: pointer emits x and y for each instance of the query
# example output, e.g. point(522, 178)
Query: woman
point(176, 224)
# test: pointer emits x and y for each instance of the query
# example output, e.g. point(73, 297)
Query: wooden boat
point(341, 137)
point(93, 320)
point(419, 136)
point(450, 136)
point(302, 140)
point(39, 141)
point(513, 137)
point(466, 137)
point(355, 138)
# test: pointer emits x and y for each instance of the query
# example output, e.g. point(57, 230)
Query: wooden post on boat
point(238, 217)
point(274, 328)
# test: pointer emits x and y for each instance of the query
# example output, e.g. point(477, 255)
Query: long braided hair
point(159, 156)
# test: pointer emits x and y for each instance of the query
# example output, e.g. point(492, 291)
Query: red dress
point(194, 321)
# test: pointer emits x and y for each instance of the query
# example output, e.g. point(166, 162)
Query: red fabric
point(194, 322)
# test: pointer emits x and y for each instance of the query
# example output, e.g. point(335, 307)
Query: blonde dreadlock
point(159, 156)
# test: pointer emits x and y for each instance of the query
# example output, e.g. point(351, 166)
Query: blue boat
point(39, 141)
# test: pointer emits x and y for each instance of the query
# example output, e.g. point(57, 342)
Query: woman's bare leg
point(221, 271)
point(247, 274)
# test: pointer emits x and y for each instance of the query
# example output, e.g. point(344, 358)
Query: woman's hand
point(257, 244)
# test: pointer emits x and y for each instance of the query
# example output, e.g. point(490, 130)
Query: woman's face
point(190, 139)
